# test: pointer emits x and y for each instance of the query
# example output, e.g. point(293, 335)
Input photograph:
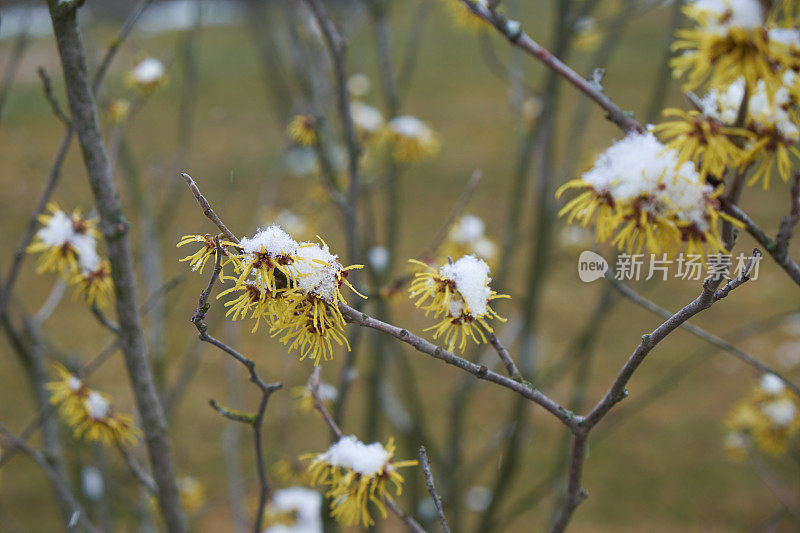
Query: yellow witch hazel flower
point(89, 412)
point(294, 510)
point(460, 294)
point(308, 317)
point(703, 140)
point(207, 251)
point(467, 237)
point(295, 287)
point(192, 493)
point(68, 392)
point(118, 110)
point(305, 400)
point(148, 75)
point(771, 124)
point(269, 251)
point(637, 195)
point(94, 282)
point(367, 120)
point(411, 139)
point(728, 41)
point(303, 130)
point(62, 239)
point(770, 417)
point(68, 246)
point(357, 475)
point(587, 34)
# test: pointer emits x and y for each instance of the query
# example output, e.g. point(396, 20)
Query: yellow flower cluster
point(294, 509)
point(770, 417)
point(357, 474)
point(459, 294)
point(411, 139)
point(89, 412)
point(294, 287)
point(148, 75)
point(305, 400)
point(749, 119)
point(638, 195)
point(207, 251)
point(467, 237)
point(302, 129)
point(67, 245)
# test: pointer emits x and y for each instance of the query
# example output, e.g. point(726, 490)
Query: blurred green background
point(661, 469)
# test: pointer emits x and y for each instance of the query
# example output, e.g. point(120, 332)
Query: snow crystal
point(781, 413)
point(92, 483)
point(771, 384)
point(60, 230)
point(97, 406)
point(640, 167)
point(468, 229)
point(767, 108)
point(408, 126)
point(788, 36)
point(86, 247)
point(485, 248)
point(366, 117)
point(306, 505)
point(300, 161)
point(378, 258)
point(349, 452)
point(735, 440)
point(471, 276)
point(273, 239)
point(317, 269)
point(771, 110)
point(148, 70)
point(74, 384)
point(727, 14)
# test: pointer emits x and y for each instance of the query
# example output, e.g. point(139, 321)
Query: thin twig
point(114, 228)
point(789, 221)
point(640, 300)
point(512, 31)
point(617, 392)
point(138, 471)
point(319, 405)
point(51, 99)
point(255, 421)
point(55, 169)
point(58, 482)
point(781, 258)
point(520, 387)
point(437, 502)
point(409, 521)
point(207, 211)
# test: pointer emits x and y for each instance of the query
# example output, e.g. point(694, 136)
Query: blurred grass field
point(660, 470)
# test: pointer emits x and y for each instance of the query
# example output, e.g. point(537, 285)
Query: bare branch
point(701, 333)
point(523, 388)
point(512, 31)
point(255, 421)
point(59, 483)
point(51, 99)
point(780, 256)
point(437, 502)
point(207, 211)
